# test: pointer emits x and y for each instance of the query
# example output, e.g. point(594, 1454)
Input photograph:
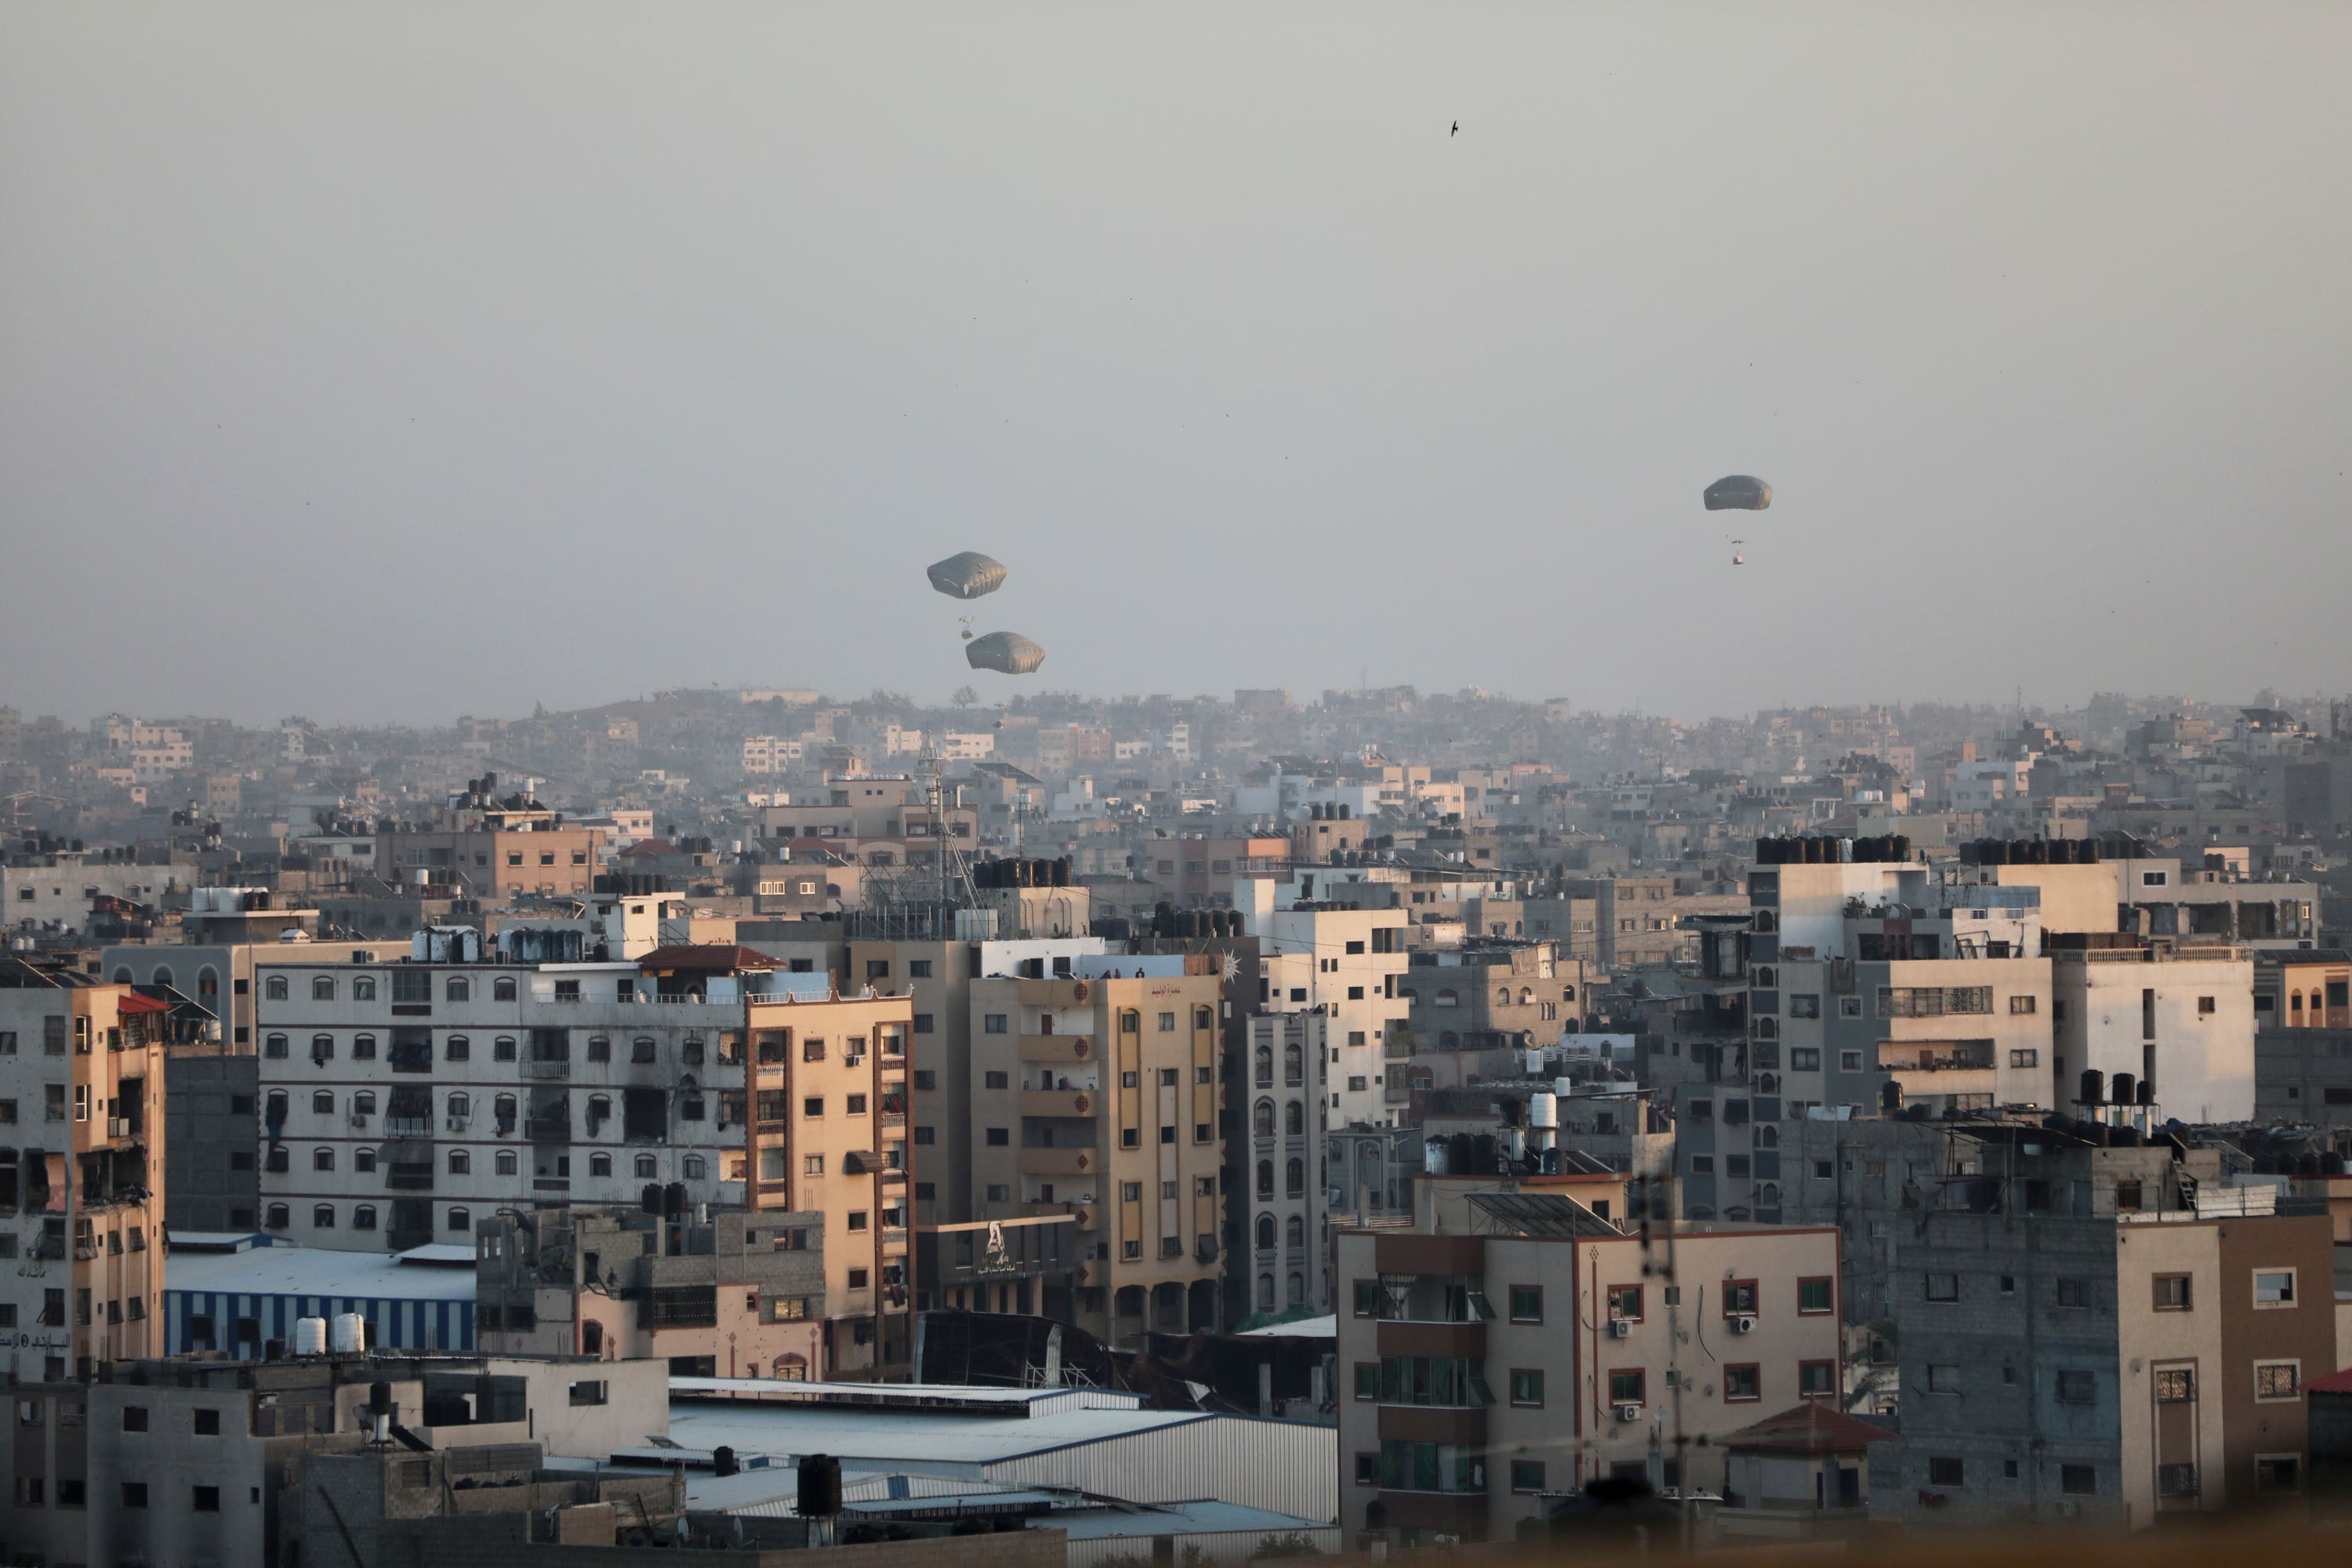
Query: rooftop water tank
point(309, 1336)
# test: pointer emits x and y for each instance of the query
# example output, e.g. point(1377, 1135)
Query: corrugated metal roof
point(315, 1271)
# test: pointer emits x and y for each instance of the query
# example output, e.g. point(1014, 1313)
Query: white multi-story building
point(1354, 961)
point(402, 1100)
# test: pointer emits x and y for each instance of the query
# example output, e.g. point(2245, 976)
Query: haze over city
point(436, 359)
point(1072, 786)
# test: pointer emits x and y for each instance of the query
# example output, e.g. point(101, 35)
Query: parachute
point(1738, 492)
point(1007, 653)
point(966, 575)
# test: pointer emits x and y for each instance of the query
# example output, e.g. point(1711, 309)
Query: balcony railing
point(535, 1067)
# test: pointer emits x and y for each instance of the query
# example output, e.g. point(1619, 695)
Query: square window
point(2276, 1474)
point(205, 1423)
point(2171, 1293)
point(1738, 1298)
point(203, 1500)
point(1816, 1296)
point(1527, 1386)
point(1526, 1303)
point(134, 1494)
point(2078, 1480)
point(1945, 1472)
point(1527, 1475)
point(1368, 1469)
point(1626, 1386)
point(1816, 1379)
point(1742, 1383)
point(1368, 1380)
point(1947, 1287)
point(1625, 1303)
point(2176, 1385)
point(2273, 1288)
point(1943, 1379)
point(999, 1137)
point(2277, 1379)
point(2076, 1388)
point(1366, 1296)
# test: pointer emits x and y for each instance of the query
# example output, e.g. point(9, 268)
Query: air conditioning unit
point(358, 1119)
point(1743, 1324)
point(1618, 1328)
point(1629, 1413)
point(456, 1124)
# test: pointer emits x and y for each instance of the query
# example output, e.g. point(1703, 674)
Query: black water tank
point(820, 1485)
point(1890, 1098)
point(650, 1199)
point(2123, 1088)
point(2146, 1092)
point(1901, 844)
point(2094, 1088)
point(2331, 1163)
point(379, 1398)
point(722, 1461)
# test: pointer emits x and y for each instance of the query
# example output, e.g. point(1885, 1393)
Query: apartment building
point(400, 1099)
point(1099, 1094)
point(81, 1111)
point(2302, 1036)
point(826, 1084)
point(1284, 1253)
point(191, 1461)
point(713, 1294)
point(1477, 1009)
point(2070, 1351)
point(2178, 1022)
point(496, 854)
point(1486, 1376)
point(1353, 969)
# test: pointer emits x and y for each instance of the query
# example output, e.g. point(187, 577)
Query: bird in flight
point(1457, 129)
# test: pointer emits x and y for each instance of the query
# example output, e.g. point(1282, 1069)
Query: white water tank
point(1535, 1064)
point(1433, 1157)
point(346, 1333)
point(1563, 1087)
point(1543, 1109)
point(309, 1336)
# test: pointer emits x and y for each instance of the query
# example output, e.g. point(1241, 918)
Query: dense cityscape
point(1171, 1122)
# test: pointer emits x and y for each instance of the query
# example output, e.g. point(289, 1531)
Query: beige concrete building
point(827, 1079)
point(81, 1163)
point(1099, 1094)
point(1486, 1376)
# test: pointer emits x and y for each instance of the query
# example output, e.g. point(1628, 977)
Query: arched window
point(1767, 1028)
point(1502, 995)
point(1294, 1179)
point(162, 975)
point(278, 1217)
point(1265, 1067)
point(363, 1102)
point(503, 1109)
point(322, 988)
point(1262, 1119)
point(1297, 1288)
point(1410, 996)
point(275, 1108)
point(274, 988)
point(1266, 1178)
point(364, 1159)
point(461, 1164)
point(207, 982)
point(1294, 1117)
point(122, 977)
point(694, 1166)
point(1130, 1022)
point(322, 1159)
point(599, 1110)
point(1768, 1137)
point(1203, 1018)
point(461, 1220)
point(1765, 920)
point(322, 1101)
point(274, 1045)
point(502, 989)
point(1293, 1064)
point(1448, 998)
point(508, 1165)
point(1294, 1231)
point(1568, 993)
point(1265, 1233)
point(1265, 1292)
point(322, 1048)
point(1526, 995)
point(363, 1218)
point(600, 1164)
point(1769, 1194)
point(363, 987)
point(461, 1106)
point(323, 1217)
point(646, 1167)
point(362, 1047)
point(457, 1049)
point(460, 989)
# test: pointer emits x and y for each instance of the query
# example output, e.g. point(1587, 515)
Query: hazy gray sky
point(413, 360)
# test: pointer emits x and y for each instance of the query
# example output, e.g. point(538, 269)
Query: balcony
point(1071, 1104)
point(550, 1184)
point(1058, 1048)
point(547, 1128)
point(1434, 1424)
point(1083, 1213)
point(1059, 1162)
point(408, 1126)
point(1454, 1340)
point(539, 1068)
